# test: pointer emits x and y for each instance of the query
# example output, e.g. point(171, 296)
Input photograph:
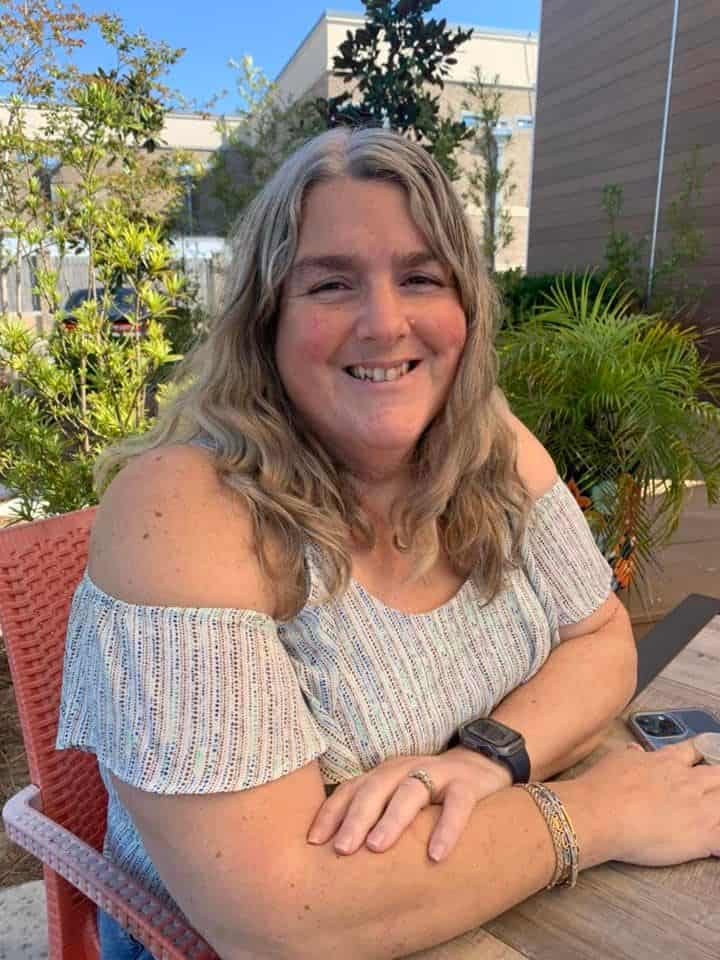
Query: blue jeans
point(116, 943)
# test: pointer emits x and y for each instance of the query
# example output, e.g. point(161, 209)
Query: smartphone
point(663, 727)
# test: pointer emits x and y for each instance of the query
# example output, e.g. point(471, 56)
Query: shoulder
point(535, 465)
point(169, 532)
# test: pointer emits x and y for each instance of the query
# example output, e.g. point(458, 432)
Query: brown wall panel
point(596, 21)
point(597, 124)
point(633, 59)
point(601, 92)
point(643, 38)
point(609, 109)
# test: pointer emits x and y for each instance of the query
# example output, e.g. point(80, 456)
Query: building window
point(502, 129)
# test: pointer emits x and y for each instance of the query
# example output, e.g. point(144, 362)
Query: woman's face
point(370, 328)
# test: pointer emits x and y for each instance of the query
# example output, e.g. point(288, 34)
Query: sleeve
point(562, 559)
point(182, 700)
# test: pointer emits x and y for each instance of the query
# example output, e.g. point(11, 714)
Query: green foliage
point(672, 290)
point(395, 63)
point(83, 387)
point(489, 185)
point(271, 127)
point(621, 400)
point(67, 395)
point(623, 254)
point(523, 294)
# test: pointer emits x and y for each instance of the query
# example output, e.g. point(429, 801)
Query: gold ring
point(424, 777)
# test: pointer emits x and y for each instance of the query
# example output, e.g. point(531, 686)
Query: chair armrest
point(164, 933)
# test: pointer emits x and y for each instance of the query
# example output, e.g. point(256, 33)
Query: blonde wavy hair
point(468, 499)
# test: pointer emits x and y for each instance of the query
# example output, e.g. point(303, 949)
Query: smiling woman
point(338, 602)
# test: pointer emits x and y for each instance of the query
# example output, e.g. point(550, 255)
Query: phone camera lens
point(659, 725)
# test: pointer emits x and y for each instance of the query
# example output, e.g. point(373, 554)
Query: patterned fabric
point(191, 700)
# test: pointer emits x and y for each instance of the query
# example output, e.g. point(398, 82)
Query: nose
point(383, 315)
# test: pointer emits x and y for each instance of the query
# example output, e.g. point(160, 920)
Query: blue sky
point(269, 30)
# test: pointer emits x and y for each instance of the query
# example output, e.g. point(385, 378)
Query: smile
point(382, 374)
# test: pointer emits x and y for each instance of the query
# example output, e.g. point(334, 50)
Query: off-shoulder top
point(201, 700)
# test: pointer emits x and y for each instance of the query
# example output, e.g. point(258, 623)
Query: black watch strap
point(519, 764)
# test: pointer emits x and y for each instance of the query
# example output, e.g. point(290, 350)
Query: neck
point(377, 494)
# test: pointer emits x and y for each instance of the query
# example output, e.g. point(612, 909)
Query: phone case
point(693, 720)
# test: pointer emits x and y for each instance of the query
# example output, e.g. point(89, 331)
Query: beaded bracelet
point(562, 832)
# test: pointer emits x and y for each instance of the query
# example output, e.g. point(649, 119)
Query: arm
point(563, 710)
point(239, 867)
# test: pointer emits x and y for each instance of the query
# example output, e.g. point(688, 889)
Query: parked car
point(121, 310)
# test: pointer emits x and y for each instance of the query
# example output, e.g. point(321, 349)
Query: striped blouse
point(202, 700)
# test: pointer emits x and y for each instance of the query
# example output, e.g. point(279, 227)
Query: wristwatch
point(498, 742)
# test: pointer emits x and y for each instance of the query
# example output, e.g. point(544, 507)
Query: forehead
point(360, 213)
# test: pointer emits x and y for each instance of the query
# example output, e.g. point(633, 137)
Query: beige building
point(511, 57)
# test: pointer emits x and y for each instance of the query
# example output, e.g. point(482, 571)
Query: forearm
point(582, 686)
point(391, 904)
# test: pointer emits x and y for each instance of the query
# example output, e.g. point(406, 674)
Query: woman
point(337, 552)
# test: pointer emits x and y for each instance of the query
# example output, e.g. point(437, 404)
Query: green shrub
point(625, 404)
point(523, 294)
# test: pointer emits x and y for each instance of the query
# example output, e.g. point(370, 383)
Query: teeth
point(379, 374)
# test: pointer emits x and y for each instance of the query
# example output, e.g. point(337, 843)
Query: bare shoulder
point(535, 465)
point(169, 532)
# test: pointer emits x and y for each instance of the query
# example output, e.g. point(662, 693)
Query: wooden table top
point(618, 911)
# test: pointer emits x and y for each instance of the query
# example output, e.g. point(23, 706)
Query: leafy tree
point(64, 396)
point(397, 62)
point(270, 127)
point(490, 185)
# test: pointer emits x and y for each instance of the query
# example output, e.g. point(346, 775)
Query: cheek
point(449, 336)
point(305, 336)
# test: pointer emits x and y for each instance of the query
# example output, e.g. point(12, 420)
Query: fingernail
point(377, 838)
point(315, 836)
point(343, 845)
point(436, 851)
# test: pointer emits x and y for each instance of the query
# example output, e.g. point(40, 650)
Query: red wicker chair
point(60, 817)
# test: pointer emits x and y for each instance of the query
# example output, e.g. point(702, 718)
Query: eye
point(420, 279)
point(329, 286)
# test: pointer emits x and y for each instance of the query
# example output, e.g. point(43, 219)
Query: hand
point(658, 808)
point(376, 807)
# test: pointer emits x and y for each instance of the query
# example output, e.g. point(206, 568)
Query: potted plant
point(627, 407)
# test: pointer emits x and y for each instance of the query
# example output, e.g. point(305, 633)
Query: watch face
point(494, 733)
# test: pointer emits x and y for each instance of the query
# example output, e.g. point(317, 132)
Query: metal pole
point(663, 144)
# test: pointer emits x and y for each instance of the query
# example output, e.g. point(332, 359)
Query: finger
point(362, 814)
point(708, 777)
point(410, 797)
point(458, 805)
point(685, 752)
point(634, 746)
point(332, 813)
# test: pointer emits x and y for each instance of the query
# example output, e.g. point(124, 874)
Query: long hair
point(468, 499)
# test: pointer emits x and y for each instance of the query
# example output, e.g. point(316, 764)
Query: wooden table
point(617, 911)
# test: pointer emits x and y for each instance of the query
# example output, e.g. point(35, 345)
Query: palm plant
point(627, 407)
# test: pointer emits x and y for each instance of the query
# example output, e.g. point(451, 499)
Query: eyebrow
point(417, 258)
